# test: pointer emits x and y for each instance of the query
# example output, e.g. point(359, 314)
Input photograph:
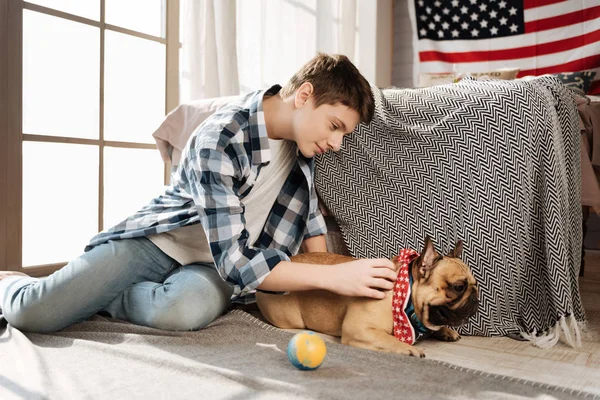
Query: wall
point(402, 61)
point(375, 38)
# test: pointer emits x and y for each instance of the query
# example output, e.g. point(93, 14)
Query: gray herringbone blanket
point(494, 163)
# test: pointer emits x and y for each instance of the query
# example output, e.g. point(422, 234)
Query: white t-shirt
point(188, 245)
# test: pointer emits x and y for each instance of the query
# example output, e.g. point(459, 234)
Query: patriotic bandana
point(407, 327)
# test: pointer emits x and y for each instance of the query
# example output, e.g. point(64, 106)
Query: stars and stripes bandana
point(407, 327)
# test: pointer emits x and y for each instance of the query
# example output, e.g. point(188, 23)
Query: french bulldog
point(443, 294)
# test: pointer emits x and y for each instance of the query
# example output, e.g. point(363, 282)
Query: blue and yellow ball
point(306, 350)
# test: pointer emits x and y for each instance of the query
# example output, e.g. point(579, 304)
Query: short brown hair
point(335, 80)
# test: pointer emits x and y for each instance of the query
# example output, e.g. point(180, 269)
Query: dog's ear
point(458, 248)
point(428, 258)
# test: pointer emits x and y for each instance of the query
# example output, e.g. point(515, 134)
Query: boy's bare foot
point(6, 274)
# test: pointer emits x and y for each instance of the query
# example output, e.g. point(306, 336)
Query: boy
point(241, 202)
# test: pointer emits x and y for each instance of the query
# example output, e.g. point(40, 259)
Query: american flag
point(537, 36)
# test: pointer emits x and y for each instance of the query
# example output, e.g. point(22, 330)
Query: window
point(83, 84)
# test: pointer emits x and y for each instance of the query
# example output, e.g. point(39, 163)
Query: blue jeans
point(130, 279)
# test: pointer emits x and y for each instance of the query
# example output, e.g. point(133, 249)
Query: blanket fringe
point(567, 328)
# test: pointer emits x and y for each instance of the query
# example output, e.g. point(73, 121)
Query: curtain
point(231, 47)
point(209, 58)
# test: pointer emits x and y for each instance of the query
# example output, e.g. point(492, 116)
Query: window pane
point(132, 177)
point(61, 75)
point(87, 8)
point(134, 89)
point(146, 16)
point(60, 201)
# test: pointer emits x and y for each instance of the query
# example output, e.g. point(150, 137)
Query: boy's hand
point(362, 278)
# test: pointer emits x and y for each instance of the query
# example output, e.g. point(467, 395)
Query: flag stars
point(437, 18)
point(423, 18)
point(482, 7)
point(512, 11)
point(423, 32)
point(493, 14)
point(431, 26)
point(454, 3)
point(483, 23)
point(445, 26)
point(440, 33)
point(455, 18)
point(474, 33)
point(421, 3)
point(474, 16)
point(446, 11)
point(513, 28)
point(464, 10)
point(428, 10)
point(473, 2)
point(494, 30)
point(502, 4)
point(455, 33)
point(437, 3)
point(503, 21)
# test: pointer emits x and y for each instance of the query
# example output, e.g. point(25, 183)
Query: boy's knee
point(184, 319)
point(193, 308)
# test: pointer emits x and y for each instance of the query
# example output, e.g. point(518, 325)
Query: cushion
point(431, 79)
point(426, 80)
point(506, 74)
point(174, 132)
point(580, 81)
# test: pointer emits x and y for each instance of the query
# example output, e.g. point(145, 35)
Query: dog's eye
point(459, 288)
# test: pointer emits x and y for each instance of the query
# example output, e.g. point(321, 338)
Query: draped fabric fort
point(493, 163)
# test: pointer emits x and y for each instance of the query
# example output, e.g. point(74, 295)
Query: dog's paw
point(415, 352)
point(446, 334)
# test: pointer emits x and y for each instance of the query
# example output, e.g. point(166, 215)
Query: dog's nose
point(474, 302)
point(473, 297)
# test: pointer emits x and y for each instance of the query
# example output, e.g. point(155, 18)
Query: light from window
point(134, 89)
point(132, 178)
point(144, 16)
point(60, 201)
point(61, 77)
point(87, 8)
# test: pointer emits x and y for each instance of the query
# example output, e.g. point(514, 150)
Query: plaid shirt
point(218, 168)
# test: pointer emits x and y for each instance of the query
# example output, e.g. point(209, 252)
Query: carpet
point(236, 357)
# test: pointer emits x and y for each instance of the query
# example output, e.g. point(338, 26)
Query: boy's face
point(317, 130)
